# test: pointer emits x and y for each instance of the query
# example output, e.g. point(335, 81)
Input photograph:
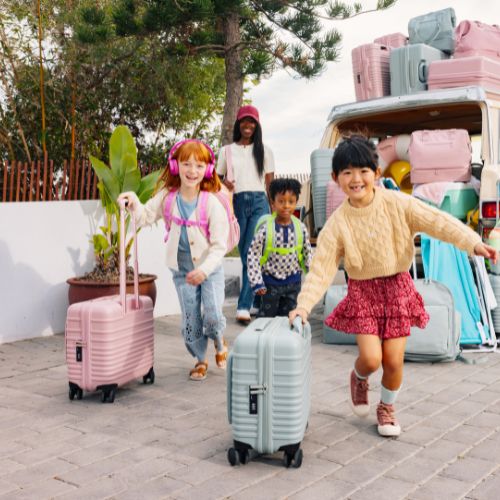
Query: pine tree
point(253, 37)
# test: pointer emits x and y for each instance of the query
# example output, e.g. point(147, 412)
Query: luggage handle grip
point(298, 326)
point(123, 271)
point(433, 37)
point(422, 71)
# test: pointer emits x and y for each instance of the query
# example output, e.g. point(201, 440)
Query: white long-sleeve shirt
point(206, 255)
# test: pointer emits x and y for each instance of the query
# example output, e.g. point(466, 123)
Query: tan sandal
point(199, 372)
point(221, 357)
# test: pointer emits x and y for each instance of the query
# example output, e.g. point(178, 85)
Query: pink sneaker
point(359, 396)
point(387, 423)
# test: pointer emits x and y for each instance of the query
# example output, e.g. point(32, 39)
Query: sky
point(293, 112)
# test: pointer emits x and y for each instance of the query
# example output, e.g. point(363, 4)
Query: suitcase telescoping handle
point(123, 268)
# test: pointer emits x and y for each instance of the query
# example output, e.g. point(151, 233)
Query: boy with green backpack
point(280, 252)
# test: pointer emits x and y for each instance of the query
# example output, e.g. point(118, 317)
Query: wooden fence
point(41, 181)
point(73, 180)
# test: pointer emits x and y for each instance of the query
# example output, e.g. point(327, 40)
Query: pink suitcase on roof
point(473, 38)
point(393, 40)
point(370, 65)
point(334, 197)
point(440, 155)
point(465, 71)
point(109, 341)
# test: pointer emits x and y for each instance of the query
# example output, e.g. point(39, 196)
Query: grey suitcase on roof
point(321, 173)
point(436, 29)
point(269, 390)
point(410, 67)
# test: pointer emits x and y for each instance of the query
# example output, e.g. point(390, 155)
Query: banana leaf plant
point(122, 174)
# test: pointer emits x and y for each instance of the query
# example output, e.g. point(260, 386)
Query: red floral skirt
point(386, 307)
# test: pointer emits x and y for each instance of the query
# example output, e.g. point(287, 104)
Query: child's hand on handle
point(298, 312)
point(130, 199)
point(261, 291)
point(195, 277)
point(484, 250)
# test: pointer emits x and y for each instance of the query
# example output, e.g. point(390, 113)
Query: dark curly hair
point(282, 185)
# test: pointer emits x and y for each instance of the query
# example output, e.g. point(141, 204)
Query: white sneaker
point(388, 426)
point(243, 316)
point(254, 311)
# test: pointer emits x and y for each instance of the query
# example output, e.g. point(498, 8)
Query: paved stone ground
point(169, 440)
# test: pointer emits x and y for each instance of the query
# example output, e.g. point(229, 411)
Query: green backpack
point(268, 244)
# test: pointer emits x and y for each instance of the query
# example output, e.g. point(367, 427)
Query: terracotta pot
point(80, 290)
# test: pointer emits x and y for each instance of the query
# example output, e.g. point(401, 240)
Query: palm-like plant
point(121, 175)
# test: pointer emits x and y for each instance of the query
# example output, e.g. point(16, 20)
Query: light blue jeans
point(199, 325)
point(249, 207)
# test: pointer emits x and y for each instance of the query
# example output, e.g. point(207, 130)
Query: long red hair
point(201, 153)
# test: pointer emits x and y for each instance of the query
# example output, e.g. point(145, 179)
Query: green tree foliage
point(92, 87)
point(253, 37)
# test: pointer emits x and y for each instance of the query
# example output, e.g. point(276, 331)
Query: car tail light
point(488, 210)
point(486, 232)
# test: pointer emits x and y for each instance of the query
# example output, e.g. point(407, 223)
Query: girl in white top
point(248, 169)
point(194, 259)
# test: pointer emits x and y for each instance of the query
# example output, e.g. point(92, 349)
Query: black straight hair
point(354, 151)
point(258, 145)
point(282, 185)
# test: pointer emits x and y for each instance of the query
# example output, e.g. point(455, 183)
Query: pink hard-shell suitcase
point(440, 155)
point(465, 71)
point(392, 40)
point(473, 38)
point(370, 65)
point(109, 341)
point(334, 197)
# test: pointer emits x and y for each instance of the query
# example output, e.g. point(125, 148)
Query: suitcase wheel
point(233, 457)
point(149, 377)
point(293, 459)
point(74, 390)
point(108, 393)
point(237, 457)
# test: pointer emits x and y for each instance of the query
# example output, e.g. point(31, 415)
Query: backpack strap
point(299, 236)
point(168, 210)
point(268, 244)
point(229, 163)
point(202, 213)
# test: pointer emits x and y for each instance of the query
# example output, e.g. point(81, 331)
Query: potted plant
point(122, 174)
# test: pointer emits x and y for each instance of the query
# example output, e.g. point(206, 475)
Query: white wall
point(44, 243)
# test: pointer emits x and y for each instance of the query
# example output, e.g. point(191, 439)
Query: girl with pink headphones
point(194, 247)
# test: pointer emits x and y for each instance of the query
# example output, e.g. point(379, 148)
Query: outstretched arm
point(484, 250)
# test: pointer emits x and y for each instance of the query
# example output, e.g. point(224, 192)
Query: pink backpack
point(202, 216)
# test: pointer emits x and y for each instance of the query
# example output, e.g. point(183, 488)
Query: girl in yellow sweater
point(373, 231)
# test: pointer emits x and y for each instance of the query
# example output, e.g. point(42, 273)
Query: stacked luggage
point(436, 55)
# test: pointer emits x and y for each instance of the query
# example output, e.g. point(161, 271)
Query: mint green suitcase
point(458, 202)
point(269, 390)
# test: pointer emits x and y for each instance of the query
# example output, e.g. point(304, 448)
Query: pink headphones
point(174, 166)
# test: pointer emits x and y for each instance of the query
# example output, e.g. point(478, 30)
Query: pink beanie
point(250, 111)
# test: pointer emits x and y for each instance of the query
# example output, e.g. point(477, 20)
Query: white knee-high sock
point(388, 397)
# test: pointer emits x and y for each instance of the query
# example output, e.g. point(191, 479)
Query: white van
point(470, 108)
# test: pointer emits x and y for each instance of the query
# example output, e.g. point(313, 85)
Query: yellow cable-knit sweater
point(377, 240)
